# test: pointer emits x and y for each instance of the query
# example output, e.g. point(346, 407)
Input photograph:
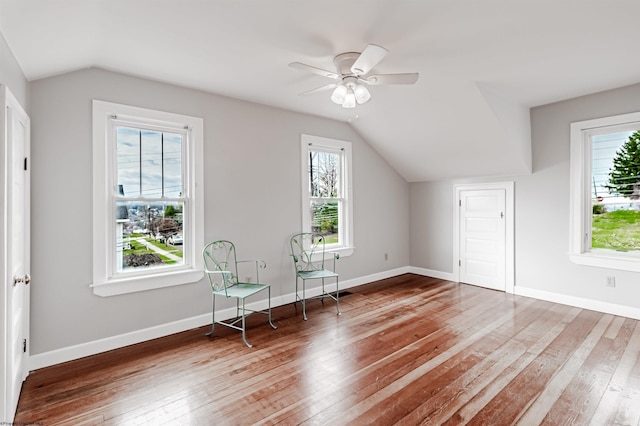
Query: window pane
point(325, 219)
point(615, 191)
point(324, 174)
point(149, 163)
point(128, 161)
point(148, 235)
point(172, 157)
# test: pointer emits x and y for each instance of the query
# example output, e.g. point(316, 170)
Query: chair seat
point(321, 273)
point(242, 290)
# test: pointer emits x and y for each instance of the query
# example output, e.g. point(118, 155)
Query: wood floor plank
point(612, 400)
point(514, 399)
point(406, 350)
point(582, 396)
point(390, 364)
point(458, 391)
point(539, 409)
point(480, 398)
point(466, 336)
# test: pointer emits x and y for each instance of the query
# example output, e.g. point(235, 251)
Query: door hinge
point(459, 203)
point(459, 262)
point(24, 345)
point(25, 163)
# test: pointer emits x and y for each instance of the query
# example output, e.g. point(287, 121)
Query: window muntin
point(326, 194)
point(148, 169)
point(593, 241)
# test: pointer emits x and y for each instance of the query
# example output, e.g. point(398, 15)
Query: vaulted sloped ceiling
point(482, 64)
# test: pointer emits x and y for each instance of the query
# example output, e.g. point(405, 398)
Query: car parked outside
point(175, 239)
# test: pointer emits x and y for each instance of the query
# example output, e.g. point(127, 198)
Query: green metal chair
point(308, 253)
point(221, 267)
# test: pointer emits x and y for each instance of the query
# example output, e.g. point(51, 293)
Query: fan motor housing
point(344, 62)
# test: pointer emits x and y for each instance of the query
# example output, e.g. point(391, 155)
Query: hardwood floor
point(406, 350)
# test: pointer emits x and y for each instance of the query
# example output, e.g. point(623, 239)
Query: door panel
point(482, 238)
point(15, 328)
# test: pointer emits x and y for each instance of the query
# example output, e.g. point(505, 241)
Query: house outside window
point(605, 192)
point(147, 203)
point(326, 191)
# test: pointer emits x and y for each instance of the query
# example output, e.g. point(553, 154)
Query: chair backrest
point(307, 250)
point(220, 256)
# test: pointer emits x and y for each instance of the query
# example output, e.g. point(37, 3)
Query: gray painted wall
point(12, 76)
point(541, 209)
point(431, 225)
point(252, 197)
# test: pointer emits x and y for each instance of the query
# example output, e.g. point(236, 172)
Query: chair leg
point(244, 327)
point(304, 300)
point(338, 297)
point(269, 302)
point(213, 315)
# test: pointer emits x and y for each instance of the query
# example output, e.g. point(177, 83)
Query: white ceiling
point(482, 64)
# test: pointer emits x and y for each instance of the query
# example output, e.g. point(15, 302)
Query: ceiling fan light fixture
point(361, 93)
point(349, 100)
point(339, 94)
point(353, 70)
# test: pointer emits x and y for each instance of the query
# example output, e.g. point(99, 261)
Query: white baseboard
point(102, 345)
point(82, 350)
point(563, 299)
point(579, 302)
point(431, 273)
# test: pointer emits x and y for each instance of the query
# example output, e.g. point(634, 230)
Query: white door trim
point(508, 187)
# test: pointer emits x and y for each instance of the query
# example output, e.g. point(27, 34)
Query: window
point(326, 191)
point(605, 192)
point(147, 207)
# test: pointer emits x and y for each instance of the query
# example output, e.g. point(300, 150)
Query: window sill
point(341, 251)
point(328, 254)
point(601, 260)
point(147, 282)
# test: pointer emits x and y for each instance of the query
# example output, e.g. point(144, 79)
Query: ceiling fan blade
point(368, 59)
point(407, 78)
point(315, 70)
point(318, 89)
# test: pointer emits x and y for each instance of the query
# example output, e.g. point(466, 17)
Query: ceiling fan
point(353, 70)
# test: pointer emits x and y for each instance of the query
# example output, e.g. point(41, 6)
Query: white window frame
point(106, 282)
point(317, 143)
point(580, 209)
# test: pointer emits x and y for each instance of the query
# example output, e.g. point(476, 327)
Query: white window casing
point(310, 143)
point(580, 209)
point(107, 281)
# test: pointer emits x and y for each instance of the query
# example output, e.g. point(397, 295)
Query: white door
point(482, 238)
point(15, 210)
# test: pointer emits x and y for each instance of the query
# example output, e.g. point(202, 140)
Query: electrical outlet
point(611, 281)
